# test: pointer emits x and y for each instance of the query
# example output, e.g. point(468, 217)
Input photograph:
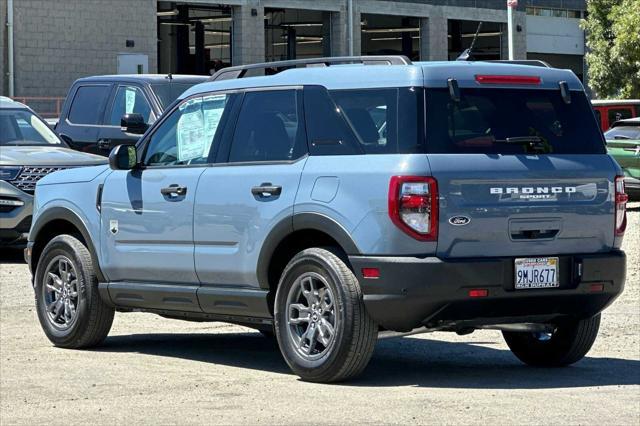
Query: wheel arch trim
point(300, 222)
point(64, 213)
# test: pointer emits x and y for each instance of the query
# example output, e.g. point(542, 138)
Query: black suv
point(104, 111)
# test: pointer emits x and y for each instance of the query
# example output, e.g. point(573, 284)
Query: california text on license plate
point(536, 272)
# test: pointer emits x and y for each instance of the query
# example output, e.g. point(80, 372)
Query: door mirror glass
point(133, 123)
point(123, 157)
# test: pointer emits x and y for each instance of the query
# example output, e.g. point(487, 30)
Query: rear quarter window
point(88, 104)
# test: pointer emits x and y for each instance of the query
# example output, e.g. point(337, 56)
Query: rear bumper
point(413, 292)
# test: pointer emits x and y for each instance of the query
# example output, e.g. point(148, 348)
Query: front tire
point(323, 329)
point(69, 307)
point(569, 343)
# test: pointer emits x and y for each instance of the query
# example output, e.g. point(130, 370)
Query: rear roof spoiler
point(270, 68)
point(530, 62)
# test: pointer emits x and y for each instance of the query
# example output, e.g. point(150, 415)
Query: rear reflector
point(508, 79)
point(371, 273)
point(596, 288)
point(478, 292)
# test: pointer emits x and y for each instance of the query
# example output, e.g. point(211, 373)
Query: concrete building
point(57, 41)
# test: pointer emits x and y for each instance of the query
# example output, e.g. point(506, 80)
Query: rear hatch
point(520, 172)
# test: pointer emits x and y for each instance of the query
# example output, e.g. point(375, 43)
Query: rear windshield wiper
point(521, 140)
point(536, 143)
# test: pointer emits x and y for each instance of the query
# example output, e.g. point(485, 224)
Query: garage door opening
point(487, 46)
point(193, 39)
point(296, 34)
point(390, 35)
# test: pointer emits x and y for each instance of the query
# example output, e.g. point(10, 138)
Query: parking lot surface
point(155, 370)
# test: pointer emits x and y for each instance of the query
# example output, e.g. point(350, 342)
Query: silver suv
point(29, 150)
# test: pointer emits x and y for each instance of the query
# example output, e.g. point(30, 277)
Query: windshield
point(169, 92)
point(511, 121)
point(23, 128)
point(623, 133)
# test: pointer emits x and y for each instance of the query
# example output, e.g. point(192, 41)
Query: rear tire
point(323, 329)
point(70, 309)
point(569, 343)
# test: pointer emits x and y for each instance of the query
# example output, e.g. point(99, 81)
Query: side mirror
point(133, 123)
point(123, 157)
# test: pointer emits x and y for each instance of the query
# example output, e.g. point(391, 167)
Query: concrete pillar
point(433, 38)
point(504, 41)
point(248, 34)
point(520, 36)
point(357, 31)
point(340, 31)
point(339, 23)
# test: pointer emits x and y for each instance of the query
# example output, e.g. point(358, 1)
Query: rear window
point(169, 92)
point(490, 121)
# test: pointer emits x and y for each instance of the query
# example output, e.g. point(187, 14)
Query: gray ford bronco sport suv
point(337, 202)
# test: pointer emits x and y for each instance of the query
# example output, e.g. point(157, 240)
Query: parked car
point(623, 143)
point(29, 150)
point(488, 200)
point(104, 111)
point(609, 111)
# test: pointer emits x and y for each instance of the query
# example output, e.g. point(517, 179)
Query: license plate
point(536, 272)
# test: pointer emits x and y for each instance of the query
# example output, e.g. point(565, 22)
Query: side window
point(128, 100)
point(328, 132)
point(88, 104)
point(616, 114)
point(188, 134)
point(370, 112)
point(387, 121)
point(269, 128)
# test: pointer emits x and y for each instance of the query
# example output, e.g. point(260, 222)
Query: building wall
point(547, 34)
point(59, 41)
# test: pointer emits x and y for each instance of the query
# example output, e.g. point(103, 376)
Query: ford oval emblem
point(459, 220)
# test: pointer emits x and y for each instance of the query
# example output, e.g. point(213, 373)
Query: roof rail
point(531, 62)
point(271, 68)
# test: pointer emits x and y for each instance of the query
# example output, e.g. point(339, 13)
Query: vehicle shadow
point(396, 362)
point(11, 256)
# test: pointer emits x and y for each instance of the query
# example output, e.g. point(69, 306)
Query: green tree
point(613, 38)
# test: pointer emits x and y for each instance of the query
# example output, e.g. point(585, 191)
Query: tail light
point(413, 206)
point(621, 206)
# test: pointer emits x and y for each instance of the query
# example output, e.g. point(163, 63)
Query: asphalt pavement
point(152, 370)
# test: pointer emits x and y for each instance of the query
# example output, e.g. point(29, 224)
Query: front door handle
point(266, 190)
point(104, 143)
point(174, 190)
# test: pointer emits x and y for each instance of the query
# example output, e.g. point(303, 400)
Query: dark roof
point(147, 78)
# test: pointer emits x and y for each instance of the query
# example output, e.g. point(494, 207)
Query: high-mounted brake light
point(413, 206)
point(508, 79)
point(621, 206)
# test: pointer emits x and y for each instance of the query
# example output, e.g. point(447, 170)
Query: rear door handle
point(266, 190)
point(174, 190)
